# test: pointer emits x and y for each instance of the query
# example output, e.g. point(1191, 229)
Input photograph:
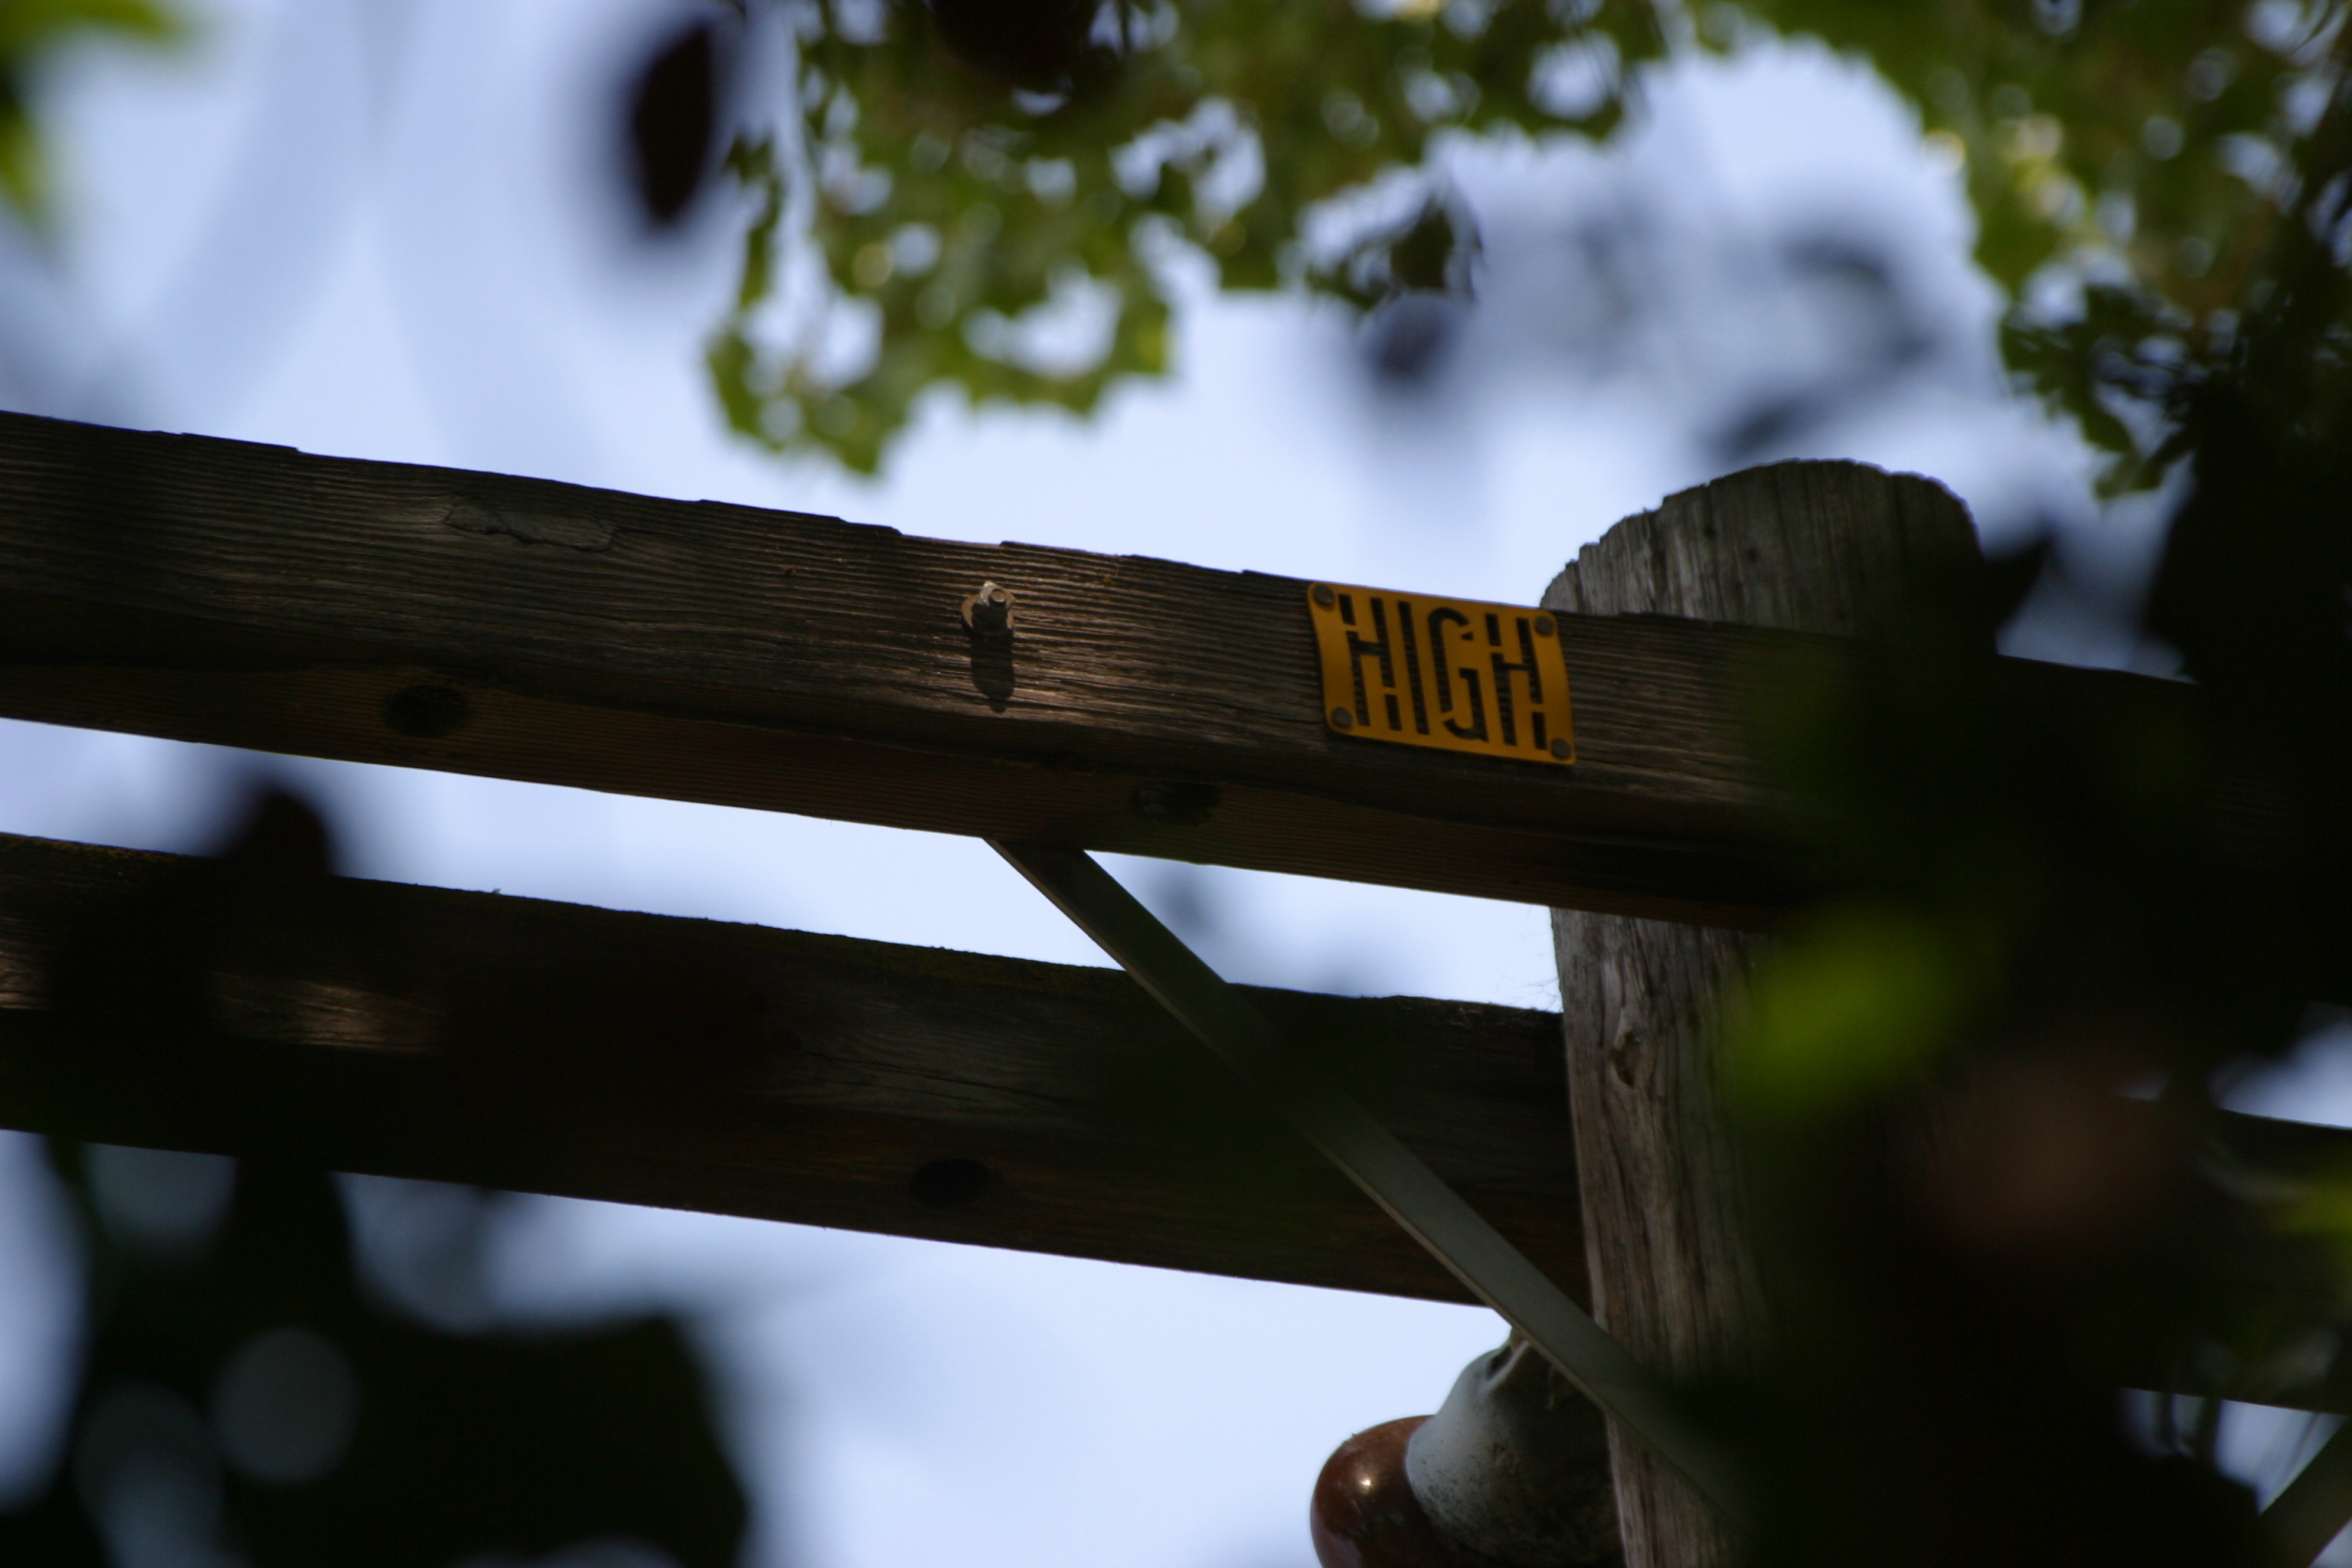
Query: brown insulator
point(1364, 1515)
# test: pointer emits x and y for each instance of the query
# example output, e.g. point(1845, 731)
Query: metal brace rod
point(1434, 1214)
point(2317, 1504)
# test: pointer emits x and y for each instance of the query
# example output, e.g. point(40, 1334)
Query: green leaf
point(959, 203)
point(30, 32)
point(1861, 1002)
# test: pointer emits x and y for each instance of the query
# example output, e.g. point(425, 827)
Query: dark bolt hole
point(1178, 803)
point(950, 1184)
point(427, 712)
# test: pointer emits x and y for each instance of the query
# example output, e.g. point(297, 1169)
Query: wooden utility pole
point(1811, 547)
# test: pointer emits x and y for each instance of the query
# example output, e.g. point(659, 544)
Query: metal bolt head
point(1543, 626)
point(989, 611)
point(1343, 717)
point(1324, 595)
point(1561, 749)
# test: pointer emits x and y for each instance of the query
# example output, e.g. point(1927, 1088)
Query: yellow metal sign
point(1457, 674)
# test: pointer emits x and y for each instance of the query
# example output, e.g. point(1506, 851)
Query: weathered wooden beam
point(690, 1064)
point(255, 597)
point(548, 1048)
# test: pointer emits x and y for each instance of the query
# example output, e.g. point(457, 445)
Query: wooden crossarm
point(554, 1048)
point(690, 1064)
point(256, 596)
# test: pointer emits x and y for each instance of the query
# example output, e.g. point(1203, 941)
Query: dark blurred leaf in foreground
point(239, 1393)
point(673, 121)
point(247, 1399)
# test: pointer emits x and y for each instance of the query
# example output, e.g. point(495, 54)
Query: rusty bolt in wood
point(989, 612)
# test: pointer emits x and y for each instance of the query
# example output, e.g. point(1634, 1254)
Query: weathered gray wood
point(254, 596)
point(554, 1048)
point(1815, 547)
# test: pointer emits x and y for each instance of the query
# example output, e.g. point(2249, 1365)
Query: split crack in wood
point(583, 534)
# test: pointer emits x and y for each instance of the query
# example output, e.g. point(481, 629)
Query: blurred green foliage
point(946, 193)
point(1864, 1000)
point(957, 180)
point(2141, 158)
point(31, 33)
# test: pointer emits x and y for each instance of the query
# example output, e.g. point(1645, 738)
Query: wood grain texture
point(1809, 547)
point(254, 596)
point(554, 1048)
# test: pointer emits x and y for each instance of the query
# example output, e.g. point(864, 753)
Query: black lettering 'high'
point(1359, 650)
point(1503, 681)
point(1448, 670)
